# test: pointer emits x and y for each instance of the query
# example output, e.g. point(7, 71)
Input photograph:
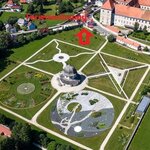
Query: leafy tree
point(40, 9)
point(44, 140)
point(23, 137)
point(62, 7)
point(2, 27)
point(2, 119)
point(30, 8)
point(7, 144)
point(111, 38)
point(146, 49)
point(69, 7)
point(5, 40)
point(146, 90)
point(145, 30)
point(94, 31)
point(52, 145)
point(21, 39)
point(136, 26)
point(12, 20)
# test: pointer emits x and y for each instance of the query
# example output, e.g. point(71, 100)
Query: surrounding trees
point(136, 26)
point(5, 40)
point(111, 38)
point(23, 137)
point(2, 27)
point(65, 7)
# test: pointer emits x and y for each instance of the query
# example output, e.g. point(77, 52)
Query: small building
point(129, 43)
point(31, 26)
point(26, 1)
point(10, 3)
point(144, 104)
point(4, 130)
point(69, 76)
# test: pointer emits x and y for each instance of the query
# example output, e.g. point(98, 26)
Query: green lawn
point(117, 50)
point(46, 54)
point(22, 53)
point(94, 66)
point(116, 142)
point(94, 142)
point(140, 40)
point(5, 16)
point(132, 80)
point(25, 105)
point(119, 63)
point(105, 84)
point(79, 61)
point(141, 139)
point(146, 82)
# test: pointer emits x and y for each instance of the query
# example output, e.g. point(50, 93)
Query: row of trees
point(65, 7)
point(141, 33)
point(23, 137)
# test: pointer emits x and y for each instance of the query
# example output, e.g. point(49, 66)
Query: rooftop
point(132, 12)
point(5, 130)
point(143, 104)
point(128, 41)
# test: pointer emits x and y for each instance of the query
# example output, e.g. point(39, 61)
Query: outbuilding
point(142, 107)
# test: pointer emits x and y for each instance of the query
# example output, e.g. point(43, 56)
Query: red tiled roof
point(5, 130)
point(10, 2)
point(16, 7)
point(109, 4)
point(114, 29)
point(132, 12)
point(23, 1)
point(127, 41)
point(144, 2)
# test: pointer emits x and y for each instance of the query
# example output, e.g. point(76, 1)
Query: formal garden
point(25, 89)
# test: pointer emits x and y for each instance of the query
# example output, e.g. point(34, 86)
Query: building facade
point(125, 13)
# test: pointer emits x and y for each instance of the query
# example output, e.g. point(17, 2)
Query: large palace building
point(125, 13)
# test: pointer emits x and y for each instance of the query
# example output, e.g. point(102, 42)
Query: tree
point(2, 119)
point(7, 144)
point(111, 38)
point(69, 7)
point(40, 9)
point(146, 49)
point(12, 20)
point(94, 31)
point(30, 8)
point(21, 39)
point(136, 26)
point(145, 30)
point(2, 27)
point(5, 40)
point(62, 7)
point(52, 145)
point(23, 137)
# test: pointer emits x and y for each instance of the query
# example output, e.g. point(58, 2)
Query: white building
point(125, 14)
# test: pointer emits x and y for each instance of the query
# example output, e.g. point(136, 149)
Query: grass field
point(94, 66)
point(141, 139)
point(123, 131)
point(94, 142)
point(132, 80)
point(22, 53)
point(23, 104)
point(105, 84)
point(117, 50)
point(146, 82)
point(119, 63)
